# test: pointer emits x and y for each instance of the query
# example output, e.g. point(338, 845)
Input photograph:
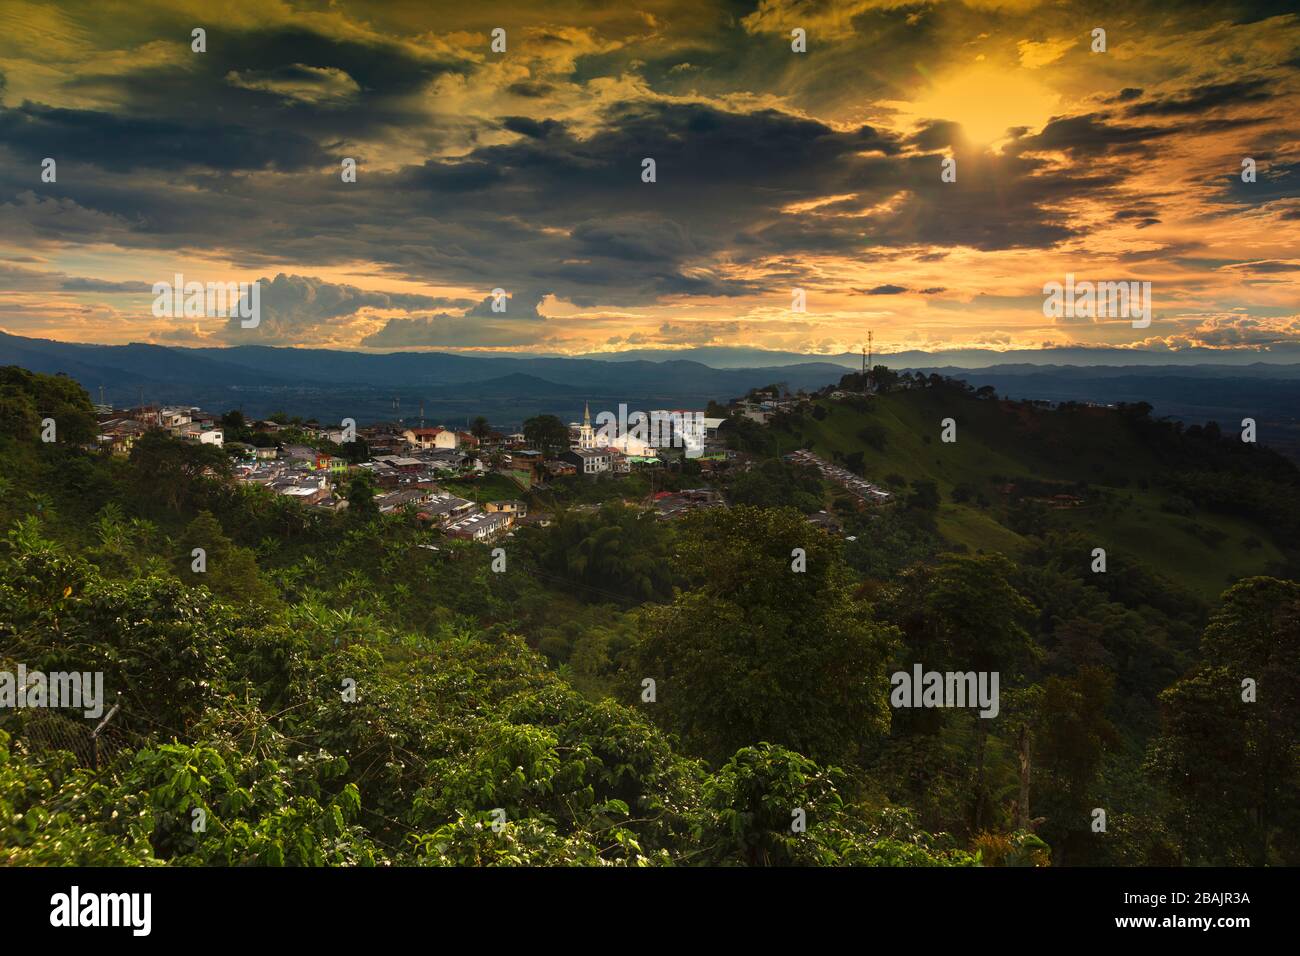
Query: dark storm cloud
point(531, 128)
point(283, 82)
point(328, 87)
point(530, 89)
point(936, 134)
point(457, 177)
point(122, 143)
point(702, 154)
point(571, 215)
point(1142, 215)
point(1092, 134)
point(1126, 95)
point(724, 178)
point(642, 239)
point(1201, 98)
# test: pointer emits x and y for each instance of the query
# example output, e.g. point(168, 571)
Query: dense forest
point(355, 689)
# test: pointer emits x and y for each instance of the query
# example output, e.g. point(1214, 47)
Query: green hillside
point(1100, 455)
point(354, 688)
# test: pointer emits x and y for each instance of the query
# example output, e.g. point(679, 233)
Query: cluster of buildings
point(672, 434)
point(761, 405)
point(118, 429)
point(405, 462)
point(404, 483)
point(407, 481)
point(409, 463)
point(854, 484)
point(297, 472)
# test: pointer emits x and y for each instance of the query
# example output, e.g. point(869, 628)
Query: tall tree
point(226, 569)
point(361, 496)
point(546, 434)
point(1228, 746)
point(170, 468)
point(769, 645)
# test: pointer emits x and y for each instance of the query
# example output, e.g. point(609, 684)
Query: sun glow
point(987, 101)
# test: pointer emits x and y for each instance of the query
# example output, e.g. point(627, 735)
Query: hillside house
point(431, 438)
point(480, 526)
point(513, 507)
point(443, 508)
point(587, 461)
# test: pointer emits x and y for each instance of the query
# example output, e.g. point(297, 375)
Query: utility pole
point(868, 369)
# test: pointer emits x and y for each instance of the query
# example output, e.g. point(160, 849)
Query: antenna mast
point(868, 371)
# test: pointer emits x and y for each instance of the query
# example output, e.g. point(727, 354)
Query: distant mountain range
point(328, 384)
point(732, 357)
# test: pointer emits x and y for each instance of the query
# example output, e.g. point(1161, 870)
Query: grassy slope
point(488, 487)
point(1205, 551)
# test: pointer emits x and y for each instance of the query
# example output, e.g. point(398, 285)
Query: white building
point(588, 461)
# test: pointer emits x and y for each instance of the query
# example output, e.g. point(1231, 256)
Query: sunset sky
point(776, 170)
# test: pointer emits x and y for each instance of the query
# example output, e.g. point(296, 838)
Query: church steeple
point(586, 437)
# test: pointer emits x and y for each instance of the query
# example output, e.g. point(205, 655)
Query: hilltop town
point(479, 483)
point(415, 467)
